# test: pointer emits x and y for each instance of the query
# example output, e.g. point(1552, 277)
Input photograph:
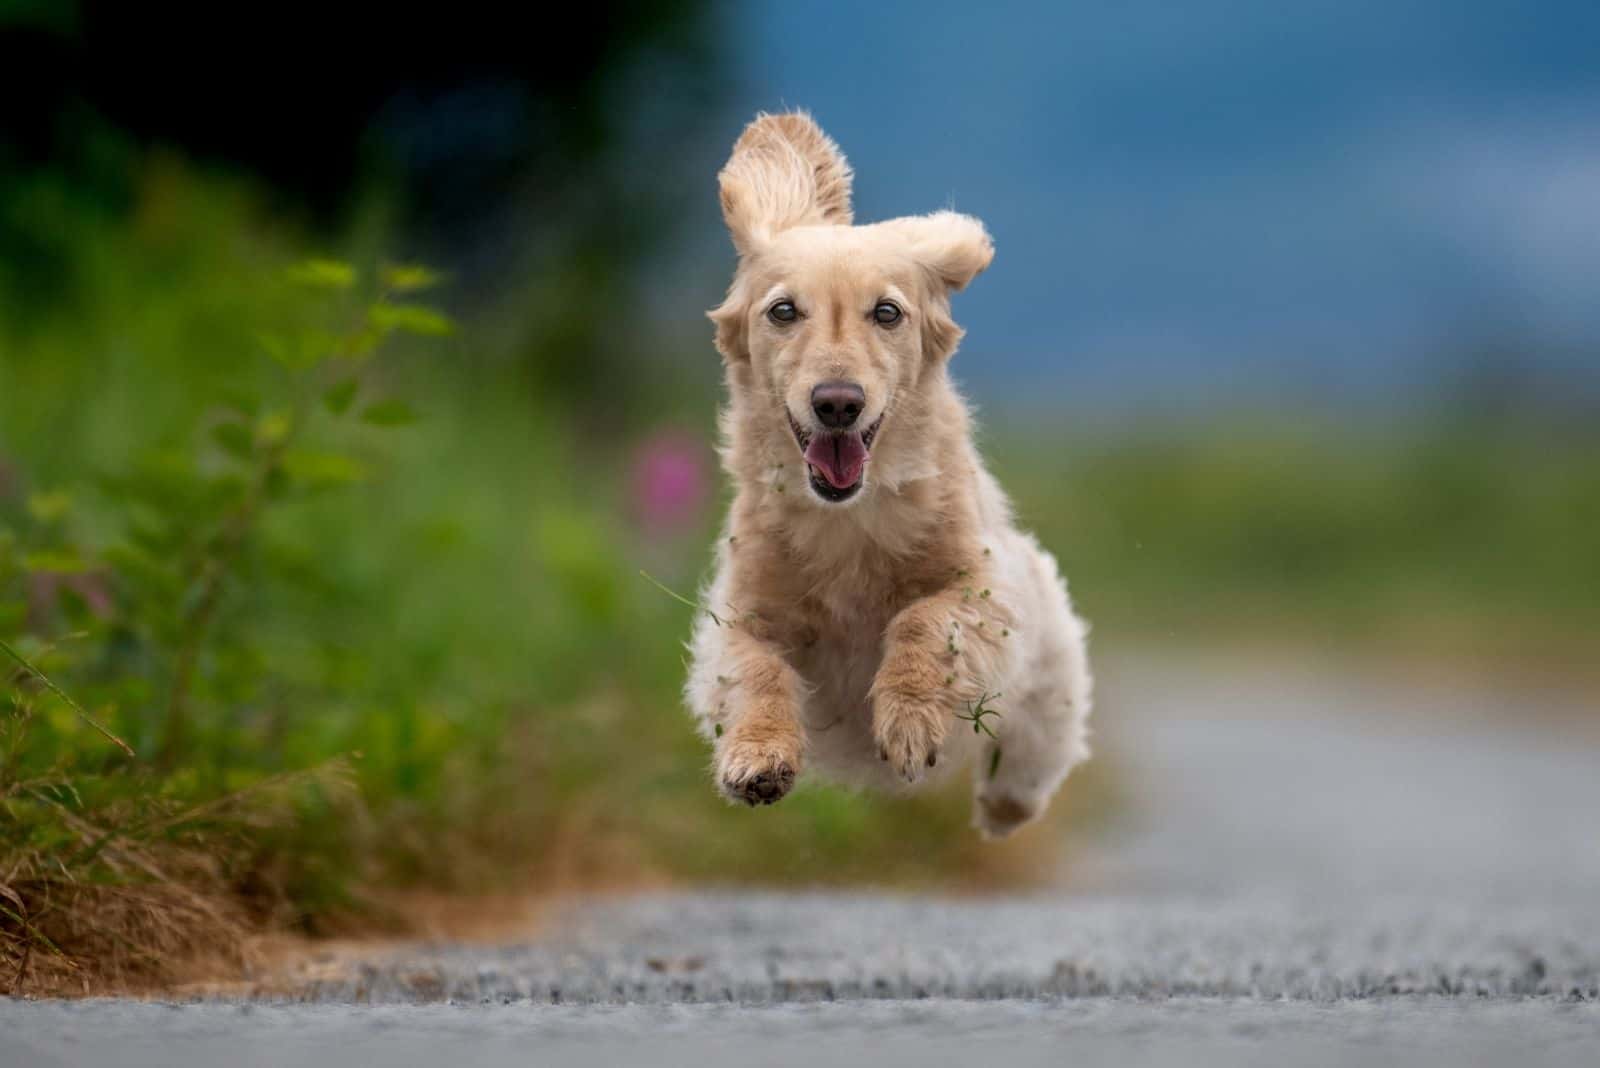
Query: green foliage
point(1472, 542)
point(323, 274)
point(389, 413)
point(341, 395)
point(409, 278)
point(411, 319)
point(152, 602)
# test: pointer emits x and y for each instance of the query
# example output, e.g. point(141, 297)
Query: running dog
point(875, 614)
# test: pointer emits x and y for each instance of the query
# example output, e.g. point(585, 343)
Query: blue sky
point(1225, 200)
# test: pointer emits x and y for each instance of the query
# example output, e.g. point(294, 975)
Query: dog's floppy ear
point(956, 248)
point(784, 172)
point(953, 249)
point(728, 317)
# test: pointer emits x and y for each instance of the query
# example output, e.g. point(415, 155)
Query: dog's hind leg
point(1042, 732)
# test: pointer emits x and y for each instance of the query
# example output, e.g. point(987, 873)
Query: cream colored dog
point(871, 594)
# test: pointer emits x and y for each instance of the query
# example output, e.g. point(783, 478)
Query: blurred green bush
point(1465, 542)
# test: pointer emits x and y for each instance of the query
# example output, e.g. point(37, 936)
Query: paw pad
point(764, 787)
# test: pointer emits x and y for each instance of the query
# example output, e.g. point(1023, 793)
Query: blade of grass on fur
point(676, 596)
point(59, 692)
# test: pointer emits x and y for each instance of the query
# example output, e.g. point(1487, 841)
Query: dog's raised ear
point(953, 249)
point(784, 171)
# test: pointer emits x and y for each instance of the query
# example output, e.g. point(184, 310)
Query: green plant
point(130, 854)
point(977, 713)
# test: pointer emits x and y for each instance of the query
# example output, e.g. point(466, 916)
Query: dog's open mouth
point(836, 461)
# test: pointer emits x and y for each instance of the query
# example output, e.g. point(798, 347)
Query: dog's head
point(834, 333)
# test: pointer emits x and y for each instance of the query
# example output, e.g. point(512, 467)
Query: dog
point(874, 613)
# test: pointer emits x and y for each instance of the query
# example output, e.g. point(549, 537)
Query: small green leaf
point(363, 343)
point(60, 561)
point(240, 401)
point(277, 347)
point(273, 427)
point(339, 397)
point(323, 274)
point(294, 353)
point(132, 563)
point(389, 413)
point(236, 440)
point(719, 730)
point(316, 345)
point(322, 470)
point(994, 762)
point(152, 532)
point(49, 507)
point(411, 319)
point(409, 277)
point(277, 483)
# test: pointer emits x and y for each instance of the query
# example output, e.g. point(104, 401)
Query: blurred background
point(353, 365)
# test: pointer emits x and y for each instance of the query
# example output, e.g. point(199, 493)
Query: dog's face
point(836, 324)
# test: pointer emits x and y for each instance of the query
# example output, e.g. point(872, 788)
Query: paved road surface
point(1315, 869)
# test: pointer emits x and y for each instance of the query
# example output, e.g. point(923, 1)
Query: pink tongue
point(840, 458)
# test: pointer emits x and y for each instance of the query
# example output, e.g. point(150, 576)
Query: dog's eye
point(783, 312)
point(887, 313)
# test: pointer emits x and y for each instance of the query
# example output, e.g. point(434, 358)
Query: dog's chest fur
point(832, 582)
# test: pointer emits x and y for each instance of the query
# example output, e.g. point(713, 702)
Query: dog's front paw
point(757, 767)
point(909, 733)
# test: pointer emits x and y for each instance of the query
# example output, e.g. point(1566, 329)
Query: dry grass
point(157, 912)
point(112, 882)
point(109, 888)
point(84, 939)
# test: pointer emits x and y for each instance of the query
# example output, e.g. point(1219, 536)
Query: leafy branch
point(267, 448)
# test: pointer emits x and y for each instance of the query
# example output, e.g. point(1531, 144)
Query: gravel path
point(1185, 1033)
point(1313, 867)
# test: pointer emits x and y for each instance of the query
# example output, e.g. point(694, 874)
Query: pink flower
point(671, 480)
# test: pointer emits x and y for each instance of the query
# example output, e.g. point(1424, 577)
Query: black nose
point(838, 404)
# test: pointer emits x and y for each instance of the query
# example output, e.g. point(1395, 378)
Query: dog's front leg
point(748, 697)
point(941, 655)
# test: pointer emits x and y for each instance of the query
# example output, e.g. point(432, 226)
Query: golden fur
point(851, 634)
